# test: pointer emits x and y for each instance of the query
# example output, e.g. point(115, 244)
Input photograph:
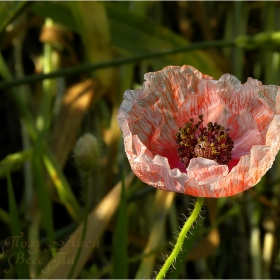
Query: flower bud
point(86, 153)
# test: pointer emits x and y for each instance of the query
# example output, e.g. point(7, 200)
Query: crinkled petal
point(200, 102)
point(243, 145)
point(263, 116)
point(270, 93)
point(206, 171)
point(237, 98)
point(250, 169)
point(150, 118)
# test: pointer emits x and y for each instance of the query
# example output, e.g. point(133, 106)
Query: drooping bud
point(86, 153)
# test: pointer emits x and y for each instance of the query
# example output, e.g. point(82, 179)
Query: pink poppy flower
point(188, 133)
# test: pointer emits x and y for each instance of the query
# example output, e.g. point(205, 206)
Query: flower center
point(210, 142)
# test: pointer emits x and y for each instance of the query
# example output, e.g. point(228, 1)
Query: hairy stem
point(180, 241)
point(113, 63)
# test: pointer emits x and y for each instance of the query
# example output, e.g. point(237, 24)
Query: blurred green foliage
point(94, 52)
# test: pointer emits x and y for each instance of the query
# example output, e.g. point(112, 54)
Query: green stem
point(14, 162)
point(113, 63)
point(180, 241)
point(50, 63)
point(86, 210)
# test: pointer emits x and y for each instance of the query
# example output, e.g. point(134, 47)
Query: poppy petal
point(150, 118)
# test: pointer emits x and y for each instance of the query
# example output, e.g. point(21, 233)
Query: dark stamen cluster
point(210, 142)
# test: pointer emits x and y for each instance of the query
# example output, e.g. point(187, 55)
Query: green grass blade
point(25, 113)
point(120, 264)
point(63, 188)
point(43, 195)
point(19, 254)
point(14, 162)
point(92, 21)
point(4, 217)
